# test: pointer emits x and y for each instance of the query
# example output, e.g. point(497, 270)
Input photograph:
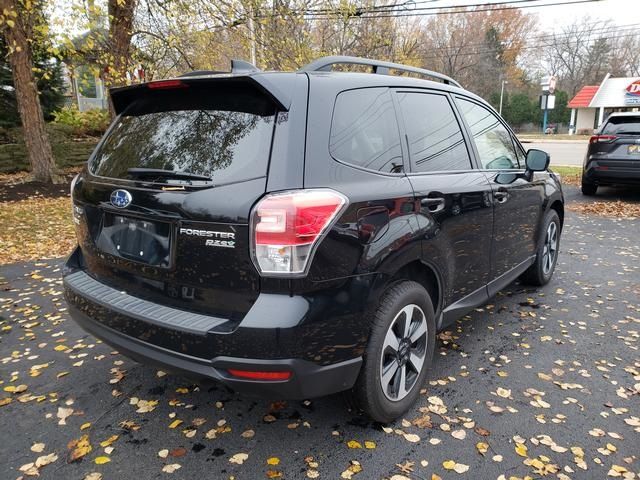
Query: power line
point(556, 36)
point(524, 47)
point(416, 13)
point(391, 7)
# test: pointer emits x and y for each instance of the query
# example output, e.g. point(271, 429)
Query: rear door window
point(364, 130)
point(435, 139)
point(193, 131)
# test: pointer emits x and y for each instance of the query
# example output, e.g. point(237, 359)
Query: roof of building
point(584, 96)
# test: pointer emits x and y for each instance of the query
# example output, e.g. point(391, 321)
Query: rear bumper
point(308, 380)
point(322, 352)
point(608, 170)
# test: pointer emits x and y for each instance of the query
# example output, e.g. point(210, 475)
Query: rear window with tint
point(621, 125)
point(224, 135)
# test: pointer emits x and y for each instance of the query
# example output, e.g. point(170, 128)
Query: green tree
point(521, 109)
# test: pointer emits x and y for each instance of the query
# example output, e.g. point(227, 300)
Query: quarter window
point(433, 133)
point(364, 130)
point(492, 139)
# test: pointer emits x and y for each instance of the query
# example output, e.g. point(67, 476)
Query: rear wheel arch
point(424, 274)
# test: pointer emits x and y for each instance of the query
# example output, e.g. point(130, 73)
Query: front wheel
point(547, 255)
point(399, 353)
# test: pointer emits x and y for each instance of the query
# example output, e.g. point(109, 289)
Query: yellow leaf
point(79, 448)
point(102, 460)
point(182, 390)
point(175, 423)
point(521, 449)
point(11, 23)
point(84, 426)
point(109, 441)
point(482, 447)
point(61, 348)
point(273, 461)
point(353, 444)
point(448, 464)
point(369, 444)
point(15, 389)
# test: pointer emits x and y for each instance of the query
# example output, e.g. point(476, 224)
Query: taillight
point(164, 84)
point(602, 139)
point(288, 226)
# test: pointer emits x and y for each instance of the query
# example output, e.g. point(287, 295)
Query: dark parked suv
point(613, 155)
point(298, 234)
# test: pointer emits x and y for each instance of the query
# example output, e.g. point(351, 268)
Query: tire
point(542, 269)
point(588, 189)
point(385, 404)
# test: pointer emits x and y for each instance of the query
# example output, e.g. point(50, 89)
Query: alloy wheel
point(550, 248)
point(403, 352)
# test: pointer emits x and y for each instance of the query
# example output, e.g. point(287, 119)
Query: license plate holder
point(138, 240)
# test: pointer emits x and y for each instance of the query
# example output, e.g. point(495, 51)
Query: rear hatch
point(162, 208)
point(618, 143)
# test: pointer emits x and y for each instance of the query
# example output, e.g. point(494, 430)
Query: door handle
point(433, 204)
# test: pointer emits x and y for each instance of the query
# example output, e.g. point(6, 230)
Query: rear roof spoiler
point(277, 86)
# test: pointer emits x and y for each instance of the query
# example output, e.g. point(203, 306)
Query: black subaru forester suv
point(298, 234)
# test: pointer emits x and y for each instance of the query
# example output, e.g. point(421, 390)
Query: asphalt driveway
point(540, 382)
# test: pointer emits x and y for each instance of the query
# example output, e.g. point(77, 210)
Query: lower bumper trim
point(308, 380)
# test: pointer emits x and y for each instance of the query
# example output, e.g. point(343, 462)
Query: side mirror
point(537, 160)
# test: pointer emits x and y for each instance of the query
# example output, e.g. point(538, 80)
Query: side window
point(491, 137)
point(435, 139)
point(364, 130)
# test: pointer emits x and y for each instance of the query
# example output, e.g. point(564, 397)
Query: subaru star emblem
point(120, 198)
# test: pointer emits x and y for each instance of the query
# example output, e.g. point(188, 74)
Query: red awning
point(584, 96)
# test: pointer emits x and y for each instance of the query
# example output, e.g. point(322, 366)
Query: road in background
point(563, 152)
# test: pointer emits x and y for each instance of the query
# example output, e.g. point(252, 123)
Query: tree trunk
point(35, 135)
point(121, 16)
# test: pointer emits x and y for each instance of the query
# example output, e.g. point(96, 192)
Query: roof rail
point(325, 64)
point(237, 66)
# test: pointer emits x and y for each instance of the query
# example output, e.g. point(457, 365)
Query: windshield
point(622, 125)
point(223, 145)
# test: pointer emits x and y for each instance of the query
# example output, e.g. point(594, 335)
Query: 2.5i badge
point(212, 238)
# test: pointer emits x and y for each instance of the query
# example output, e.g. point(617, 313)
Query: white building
point(593, 103)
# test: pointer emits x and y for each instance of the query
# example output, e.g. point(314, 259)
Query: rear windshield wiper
point(160, 173)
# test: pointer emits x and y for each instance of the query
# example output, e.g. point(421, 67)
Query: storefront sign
point(632, 97)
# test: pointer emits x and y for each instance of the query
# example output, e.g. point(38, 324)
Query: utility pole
point(504, 82)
